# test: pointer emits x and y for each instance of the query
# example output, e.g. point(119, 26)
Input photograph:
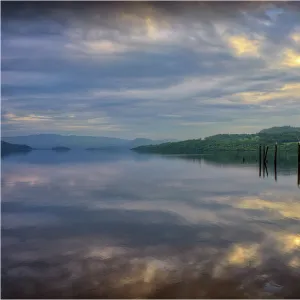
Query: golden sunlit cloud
point(294, 87)
point(28, 118)
point(296, 37)
point(105, 46)
point(291, 58)
point(288, 91)
point(158, 32)
point(242, 46)
point(151, 29)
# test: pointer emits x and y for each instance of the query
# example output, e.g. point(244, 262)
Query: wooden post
point(298, 163)
point(275, 162)
point(263, 159)
point(259, 160)
point(265, 151)
point(275, 154)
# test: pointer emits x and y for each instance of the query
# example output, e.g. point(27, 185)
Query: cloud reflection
point(145, 227)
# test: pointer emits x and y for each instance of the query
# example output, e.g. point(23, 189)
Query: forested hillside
point(7, 148)
point(286, 136)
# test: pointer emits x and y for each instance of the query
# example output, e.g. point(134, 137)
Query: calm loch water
point(96, 224)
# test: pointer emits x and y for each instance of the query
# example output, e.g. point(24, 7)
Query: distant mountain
point(7, 148)
point(48, 141)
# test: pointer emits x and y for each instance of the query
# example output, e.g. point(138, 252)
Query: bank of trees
point(287, 138)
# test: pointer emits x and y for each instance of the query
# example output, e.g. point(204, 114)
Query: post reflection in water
point(266, 168)
point(100, 225)
point(285, 161)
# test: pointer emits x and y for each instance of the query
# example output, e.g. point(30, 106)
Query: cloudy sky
point(159, 70)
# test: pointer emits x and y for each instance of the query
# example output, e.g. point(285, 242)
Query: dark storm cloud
point(90, 10)
point(52, 18)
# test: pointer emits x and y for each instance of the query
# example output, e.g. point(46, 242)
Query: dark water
point(96, 224)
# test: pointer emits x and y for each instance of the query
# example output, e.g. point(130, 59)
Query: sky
point(175, 70)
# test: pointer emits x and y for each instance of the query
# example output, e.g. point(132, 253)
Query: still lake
point(68, 218)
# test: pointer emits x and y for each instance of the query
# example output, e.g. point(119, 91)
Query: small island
point(61, 149)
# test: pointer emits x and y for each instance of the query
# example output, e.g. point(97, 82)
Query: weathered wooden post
point(263, 161)
point(259, 160)
point(265, 169)
point(275, 154)
point(275, 162)
point(298, 163)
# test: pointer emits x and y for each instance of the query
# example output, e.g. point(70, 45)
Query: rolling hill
point(286, 136)
point(7, 148)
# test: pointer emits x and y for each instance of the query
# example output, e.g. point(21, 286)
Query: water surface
point(69, 218)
